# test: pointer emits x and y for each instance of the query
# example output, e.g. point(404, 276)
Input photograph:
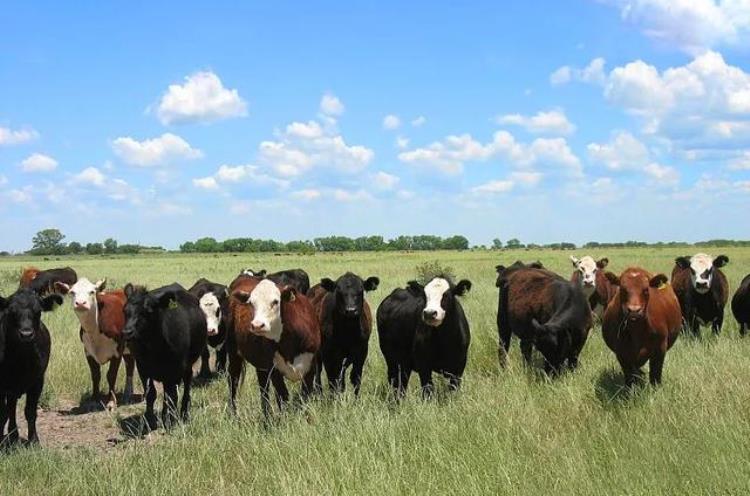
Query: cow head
point(635, 290)
point(702, 269)
point(22, 313)
point(140, 309)
point(82, 293)
point(266, 299)
point(587, 269)
point(253, 273)
point(552, 342)
point(349, 291)
point(212, 303)
point(439, 295)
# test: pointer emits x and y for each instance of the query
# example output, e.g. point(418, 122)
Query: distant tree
point(207, 245)
point(48, 242)
point(110, 245)
point(187, 247)
point(513, 244)
point(129, 249)
point(455, 243)
point(497, 244)
point(75, 248)
point(94, 249)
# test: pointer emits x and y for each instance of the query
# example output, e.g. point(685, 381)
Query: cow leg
point(454, 382)
point(96, 377)
point(221, 359)
point(717, 323)
point(425, 378)
point(503, 345)
point(150, 393)
point(169, 405)
point(743, 329)
point(527, 347)
point(282, 393)
point(655, 366)
point(12, 437)
point(265, 398)
point(185, 405)
point(3, 417)
point(129, 369)
point(205, 371)
point(334, 372)
point(317, 379)
point(114, 367)
point(355, 375)
point(32, 401)
point(235, 372)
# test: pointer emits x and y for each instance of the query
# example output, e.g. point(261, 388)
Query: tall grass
point(507, 432)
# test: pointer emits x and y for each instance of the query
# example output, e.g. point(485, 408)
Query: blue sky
point(598, 120)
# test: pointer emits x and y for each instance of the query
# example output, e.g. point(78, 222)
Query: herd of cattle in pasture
point(290, 331)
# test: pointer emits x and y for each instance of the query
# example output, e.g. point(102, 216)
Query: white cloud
point(202, 98)
point(154, 152)
point(550, 122)
point(404, 194)
point(234, 174)
point(90, 175)
point(10, 136)
point(624, 151)
point(526, 178)
point(562, 75)
point(385, 181)
point(206, 183)
point(308, 130)
point(391, 122)
point(20, 195)
point(662, 174)
point(306, 194)
point(691, 25)
point(494, 187)
point(38, 162)
point(741, 163)
point(419, 121)
point(331, 105)
point(344, 195)
point(592, 73)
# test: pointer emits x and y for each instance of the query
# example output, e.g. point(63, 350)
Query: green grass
point(506, 432)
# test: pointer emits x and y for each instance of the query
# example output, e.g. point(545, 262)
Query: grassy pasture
point(506, 432)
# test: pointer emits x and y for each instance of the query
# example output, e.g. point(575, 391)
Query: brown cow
point(590, 275)
point(276, 330)
point(102, 320)
point(28, 275)
point(641, 322)
point(44, 282)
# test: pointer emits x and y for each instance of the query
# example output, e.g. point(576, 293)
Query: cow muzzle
point(26, 334)
point(258, 328)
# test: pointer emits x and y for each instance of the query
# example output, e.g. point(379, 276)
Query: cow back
point(111, 313)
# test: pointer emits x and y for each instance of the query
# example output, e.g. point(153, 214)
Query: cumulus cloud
point(306, 194)
point(391, 122)
point(90, 175)
point(209, 183)
point(202, 98)
point(419, 121)
point(549, 122)
point(10, 136)
point(38, 162)
point(344, 195)
point(624, 151)
point(331, 105)
point(234, 174)
point(155, 152)
point(402, 142)
point(494, 187)
point(662, 174)
point(592, 73)
point(383, 180)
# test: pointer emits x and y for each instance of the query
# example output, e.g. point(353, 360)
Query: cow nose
point(80, 304)
point(212, 332)
point(701, 285)
point(26, 332)
point(429, 314)
point(258, 326)
point(351, 311)
point(634, 309)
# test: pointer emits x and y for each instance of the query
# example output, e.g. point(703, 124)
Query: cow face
point(82, 293)
point(211, 307)
point(349, 291)
point(139, 309)
point(635, 291)
point(439, 296)
point(702, 269)
point(22, 313)
point(266, 299)
point(587, 269)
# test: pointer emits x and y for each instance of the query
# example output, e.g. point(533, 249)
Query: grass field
point(506, 432)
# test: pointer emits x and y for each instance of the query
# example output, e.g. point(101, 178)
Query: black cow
point(24, 356)
point(44, 282)
point(702, 289)
point(345, 325)
point(166, 331)
point(296, 278)
point(741, 305)
point(424, 329)
point(214, 302)
point(545, 311)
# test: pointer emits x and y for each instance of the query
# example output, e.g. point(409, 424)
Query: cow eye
point(274, 303)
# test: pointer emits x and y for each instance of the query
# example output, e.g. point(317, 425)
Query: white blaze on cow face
point(212, 310)
point(434, 313)
point(83, 294)
point(587, 268)
point(266, 302)
point(701, 272)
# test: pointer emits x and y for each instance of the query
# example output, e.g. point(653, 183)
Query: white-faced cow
point(214, 302)
point(102, 320)
point(702, 289)
point(590, 276)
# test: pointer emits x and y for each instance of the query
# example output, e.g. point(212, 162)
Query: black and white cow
point(24, 356)
point(702, 289)
point(296, 278)
point(214, 302)
point(424, 329)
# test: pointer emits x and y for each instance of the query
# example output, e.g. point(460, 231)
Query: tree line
point(52, 242)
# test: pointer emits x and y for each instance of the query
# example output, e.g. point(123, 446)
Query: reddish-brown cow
point(641, 322)
point(276, 330)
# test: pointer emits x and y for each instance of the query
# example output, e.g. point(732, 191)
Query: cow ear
point(415, 288)
point(328, 284)
point(288, 294)
point(62, 287)
point(241, 296)
point(602, 263)
point(721, 261)
point(536, 265)
point(261, 273)
point(50, 302)
point(658, 281)
point(101, 284)
point(613, 279)
point(371, 284)
point(682, 262)
point(576, 262)
point(462, 287)
point(128, 289)
point(499, 268)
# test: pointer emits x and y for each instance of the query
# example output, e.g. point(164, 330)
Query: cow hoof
point(110, 406)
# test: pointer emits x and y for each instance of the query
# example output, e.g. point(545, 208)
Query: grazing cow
point(275, 329)
point(641, 322)
point(24, 356)
point(741, 305)
point(214, 301)
point(43, 281)
point(296, 278)
point(345, 325)
point(102, 319)
point(702, 290)
point(589, 274)
point(424, 329)
point(166, 330)
point(545, 311)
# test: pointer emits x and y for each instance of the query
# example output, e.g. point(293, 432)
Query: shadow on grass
point(89, 404)
point(611, 391)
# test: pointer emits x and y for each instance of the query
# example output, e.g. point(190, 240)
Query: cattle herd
point(290, 331)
